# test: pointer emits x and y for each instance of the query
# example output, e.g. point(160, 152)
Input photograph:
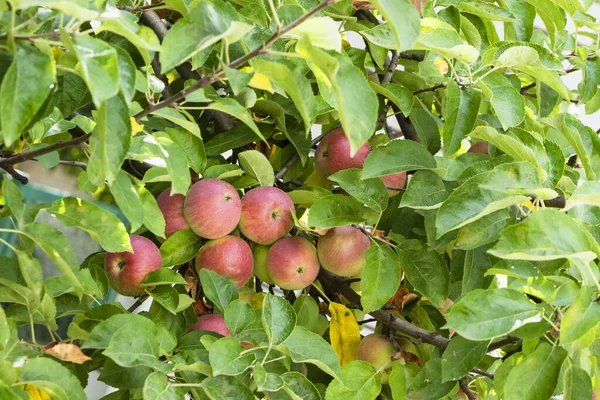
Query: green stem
point(318, 289)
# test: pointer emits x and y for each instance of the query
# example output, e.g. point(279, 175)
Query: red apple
point(172, 209)
point(377, 350)
point(292, 263)
point(395, 181)
point(212, 208)
point(228, 256)
point(342, 250)
point(126, 271)
point(266, 214)
point(211, 323)
point(260, 252)
point(333, 154)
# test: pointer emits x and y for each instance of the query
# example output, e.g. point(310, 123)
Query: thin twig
point(296, 157)
point(430, 89)
point(138, 302)
point(464, 386)
point(218, 74)
point(482, 372)
point(142, 8)
point(12, 172)
point(28, 155)
point(387, 78)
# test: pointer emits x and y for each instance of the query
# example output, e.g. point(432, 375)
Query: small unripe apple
point(260, 252)
point(377, 350)
point(212, 208)
point(333, 154)
point(394, 183)
point(212, 323)
point(479, 147)
point(229, 256)
point(266, 214)
point(172, 209)
point(342, 250)
point(292, 263)
point(126, 271)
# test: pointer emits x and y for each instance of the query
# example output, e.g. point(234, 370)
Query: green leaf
point(58, 248)
point(191, 145)
point(221, 291)
point(381, 35)
point(296, 386)
point(53, 378)
point(462, 106)
point(110, 140)
point(404, 20)
point(153, 217)
point(547, 234)
point(425, 191)
point(256, 165)
point(24, 89)
point(307, 347)
point(239, 136)
point(126, 74)
point(580, 320)
point(31, 271)
point(81, 10)
point(509, 106)
point(176, 117)
point(360, 380)
point(460, 357)
point(13, 199)
point(156, 387)
point(131, 346)
point(380, 278)
point(483, 231)
point(335, 210)
point(238, 80)
point(278, 318)
point(292, 80)
point(116, 376)
point(427, 384)
point(398, 383)
point(586, 194)
point(226, 388)
point(486, 11)
point(102, 225)
point(101, 334)
point(266, 382)
point(535, 377)
point(177, 165)
point(206, 24)
point(167, 297)
point(235, 109)
point(163, 276)
point(485, 193)
point(553, 18)
point(505, 310)
point(425, 270)
point(98, 66)
point(576, 384)
point(180, 248)
point(397, 156)
point(307, 311)
point(225, 357)
point(356, 101)
point(238, 316)
point(124, 24)
point(508, 145)
point(399, 95)
point(590, 80)
point(371, 192)
point(128, 200)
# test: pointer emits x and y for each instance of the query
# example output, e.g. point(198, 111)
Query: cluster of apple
point(213, 209)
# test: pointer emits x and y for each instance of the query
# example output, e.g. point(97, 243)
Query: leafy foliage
point(473, 182)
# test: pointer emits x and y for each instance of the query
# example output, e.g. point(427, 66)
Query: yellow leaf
point(136, 127)
point(36, 393)
point(441, 65)
point(67, 352)
point(344, 332)
point(171, 76)
point(262, 82)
